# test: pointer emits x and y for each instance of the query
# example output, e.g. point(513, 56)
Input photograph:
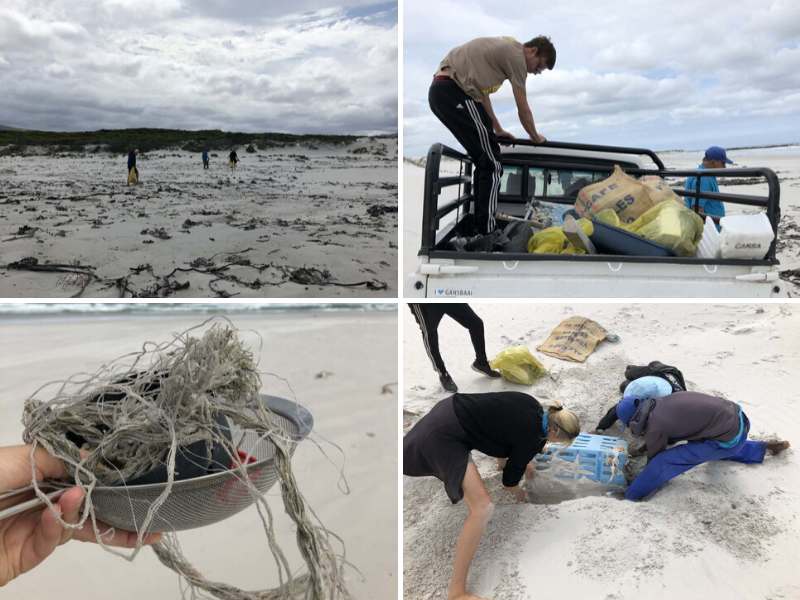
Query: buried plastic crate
point(600, 458)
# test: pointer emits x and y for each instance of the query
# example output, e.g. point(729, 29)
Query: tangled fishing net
point(140, 413)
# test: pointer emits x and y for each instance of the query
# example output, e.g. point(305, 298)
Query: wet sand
point(296, 221)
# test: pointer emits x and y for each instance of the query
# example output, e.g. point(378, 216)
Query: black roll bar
point(597, 148)
point(431, 213)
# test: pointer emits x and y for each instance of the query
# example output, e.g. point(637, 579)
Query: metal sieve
point(210, 498)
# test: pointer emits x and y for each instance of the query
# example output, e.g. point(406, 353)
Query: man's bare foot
point(466, 597)
point(777, 446)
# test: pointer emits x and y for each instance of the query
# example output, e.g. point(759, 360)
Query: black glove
point(608, 420)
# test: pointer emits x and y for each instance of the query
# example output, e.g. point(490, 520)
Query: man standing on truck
point(459, 97)
point(714, 158)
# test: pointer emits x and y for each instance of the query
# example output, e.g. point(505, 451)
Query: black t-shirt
point(503, 425)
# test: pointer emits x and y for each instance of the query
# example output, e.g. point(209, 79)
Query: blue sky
point(298, 66)
point(641, 73)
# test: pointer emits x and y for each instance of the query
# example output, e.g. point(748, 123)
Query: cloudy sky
point(300, 66)
point(677, 74)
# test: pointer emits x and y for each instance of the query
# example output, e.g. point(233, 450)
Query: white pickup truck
point(540, 176)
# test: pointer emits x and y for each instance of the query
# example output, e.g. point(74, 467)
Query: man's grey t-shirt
point(480, 66)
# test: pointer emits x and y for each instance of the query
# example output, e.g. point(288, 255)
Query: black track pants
point(428, 317)
point(469, 122)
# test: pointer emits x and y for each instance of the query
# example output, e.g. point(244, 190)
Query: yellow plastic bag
point(517, 365)
point(553, 241)
point(672, 225)
point(609, 217)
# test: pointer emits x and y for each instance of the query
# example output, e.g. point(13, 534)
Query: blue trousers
point(676, 460)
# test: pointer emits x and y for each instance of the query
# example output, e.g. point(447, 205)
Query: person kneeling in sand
point(714, 429)
point(505, 425)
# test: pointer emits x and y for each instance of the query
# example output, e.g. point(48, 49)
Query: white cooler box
point(745, 236)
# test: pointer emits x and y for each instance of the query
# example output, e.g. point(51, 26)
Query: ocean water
point(28, 310)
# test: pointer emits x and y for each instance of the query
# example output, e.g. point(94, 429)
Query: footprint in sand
point(743, 330)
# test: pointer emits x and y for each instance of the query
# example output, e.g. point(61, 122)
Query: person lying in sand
point(509, 425)
point(714, 429)
point(27, 539)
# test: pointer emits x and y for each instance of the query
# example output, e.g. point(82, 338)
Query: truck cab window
point(511, 181)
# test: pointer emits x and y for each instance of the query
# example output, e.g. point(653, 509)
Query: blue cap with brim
point(626, 409)
point(717, 153)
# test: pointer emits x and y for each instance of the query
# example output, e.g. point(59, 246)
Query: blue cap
point(717, 153)
point(626, 409)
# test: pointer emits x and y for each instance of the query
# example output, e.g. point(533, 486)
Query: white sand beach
point(785, 161)
point(293, 221)
point(342, 366)
point(720, 530)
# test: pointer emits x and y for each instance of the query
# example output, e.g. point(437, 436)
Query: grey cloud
point(256, 10)
point(643, 77)
point(259, 67)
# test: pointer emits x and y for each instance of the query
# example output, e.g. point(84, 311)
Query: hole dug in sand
point(546, 489)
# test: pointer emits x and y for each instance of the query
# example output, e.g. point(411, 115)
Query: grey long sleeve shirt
point(690, 416)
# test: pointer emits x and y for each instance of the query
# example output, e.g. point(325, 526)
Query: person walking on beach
point(714, 429)
point(505, 425)
point(714, 158)
point(428, 317)
point(233, 159)
point(28, 538)
point(133, 172)
point(205, 158)
point(460, 98)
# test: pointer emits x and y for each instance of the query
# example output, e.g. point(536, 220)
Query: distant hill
point(5, 128)
point(123, 140)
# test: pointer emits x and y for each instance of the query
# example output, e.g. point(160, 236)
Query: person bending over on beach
point(505, 425)
point(133, 172)
point(428, 317)
point(233, 159)
point(460, 98)
point(205, 158)
point(28, 538)
point(714, 158)
point(642, 388)
point(714, 429)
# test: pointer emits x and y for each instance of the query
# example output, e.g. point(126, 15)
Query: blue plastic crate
point(600, 458)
